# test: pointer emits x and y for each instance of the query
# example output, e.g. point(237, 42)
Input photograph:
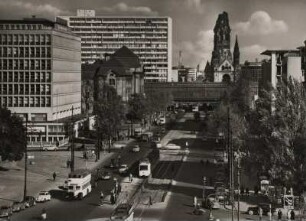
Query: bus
point(144, 168)
point(79, 184)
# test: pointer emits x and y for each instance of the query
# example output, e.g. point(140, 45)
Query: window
point(31, 101)
point(26, 101)
point(48, 89)
point(48, 102)
point(32, 88)
point(26, 88)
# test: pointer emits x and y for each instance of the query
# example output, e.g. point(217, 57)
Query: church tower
point(222, 40)
point(222, 61)
point(236, 54)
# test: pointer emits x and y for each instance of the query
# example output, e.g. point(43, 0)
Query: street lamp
point(204, 183)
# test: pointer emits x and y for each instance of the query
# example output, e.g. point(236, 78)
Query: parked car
point(254, 210)
point(123, 168)
point(43, 196)
point(51, 148)
point(171, 146)
point(136, 149)
point(18, 206)
point(157, 144)
point(29, 201)
point(5, 211)
point(105, 175)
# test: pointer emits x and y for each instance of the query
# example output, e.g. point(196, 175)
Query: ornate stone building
point(224, 65)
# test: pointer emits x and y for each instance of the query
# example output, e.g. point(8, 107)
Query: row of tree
point(272, 134)
point(111, 112)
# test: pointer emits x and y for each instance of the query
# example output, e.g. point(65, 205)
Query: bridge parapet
point(189, 91)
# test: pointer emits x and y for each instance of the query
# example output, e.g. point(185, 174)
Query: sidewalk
point(39, 176)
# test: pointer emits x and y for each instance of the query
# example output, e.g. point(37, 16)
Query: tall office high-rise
point(148, 37)
point(40, 74)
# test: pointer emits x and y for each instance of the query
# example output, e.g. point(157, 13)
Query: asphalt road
point(59, 208)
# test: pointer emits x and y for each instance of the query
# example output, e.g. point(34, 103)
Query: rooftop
point(279, 51)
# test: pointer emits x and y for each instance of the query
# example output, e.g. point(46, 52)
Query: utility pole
point(25, 161)
point(238, 182)
point(72, 142)
point(230, 161)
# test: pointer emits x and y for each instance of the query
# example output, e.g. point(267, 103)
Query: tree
point(109, 113)
point(158, 102)
point(281, 120)
point(137, 107)
point(12, 136)
point(87, 96)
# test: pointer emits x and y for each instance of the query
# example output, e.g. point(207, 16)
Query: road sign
point(288, 201)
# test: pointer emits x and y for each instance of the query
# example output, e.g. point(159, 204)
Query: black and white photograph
point(153, 110)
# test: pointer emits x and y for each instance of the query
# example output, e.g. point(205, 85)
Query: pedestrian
point(247, 191)
point(131, 177)
point(186, 143)
point(54, 176)
point(150, 201)
point(68, 163)
point(195, 202)
point(44, 214)
point(119, 188)
point(260, 213)
point(288, 214)
point(292, 215)
point(279, 215)
point(101, 198)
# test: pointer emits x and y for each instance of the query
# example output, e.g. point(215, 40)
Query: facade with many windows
point(40, 74)
point(148, 37)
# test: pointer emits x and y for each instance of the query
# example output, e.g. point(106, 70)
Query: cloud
point(123, 7)
point(261, 23)
point(28, 8)
point(195, 5)
point(199, 51)
point(252, 52)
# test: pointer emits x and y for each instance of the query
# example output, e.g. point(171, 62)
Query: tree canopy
point(12, 136)
point(109, 111)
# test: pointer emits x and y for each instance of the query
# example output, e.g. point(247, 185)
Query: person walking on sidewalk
point(131, 177)
point(292, 215)
point(101, 198)
point(279, 215)
point(195, 202)
point(260, 213)
point(54, 176)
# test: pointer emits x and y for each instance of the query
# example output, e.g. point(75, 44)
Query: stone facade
point(223, 66)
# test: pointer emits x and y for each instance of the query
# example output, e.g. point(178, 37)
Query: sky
point(259, 24)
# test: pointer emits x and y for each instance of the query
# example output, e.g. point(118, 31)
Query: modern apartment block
point(281, 65)
point(148, 37)
point(40, 74)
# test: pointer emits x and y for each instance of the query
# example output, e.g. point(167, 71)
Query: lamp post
point(25, 161)
point(204, 183)
point(72, 142)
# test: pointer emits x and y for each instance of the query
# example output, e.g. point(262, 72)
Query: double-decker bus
point(144, 169)
point(79, 184)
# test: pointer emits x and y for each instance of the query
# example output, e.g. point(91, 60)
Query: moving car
point(106, 176)
point(136, 149)
point(5, 211)
point(43, 196)
point(18, 206)
point(29, 201)
point(118, 145)
point(123, 212)
point(171, 146)
point(54, 148)
point(123, 169)
point(254, 210)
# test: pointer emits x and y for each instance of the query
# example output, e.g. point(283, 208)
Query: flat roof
point(279, 51)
